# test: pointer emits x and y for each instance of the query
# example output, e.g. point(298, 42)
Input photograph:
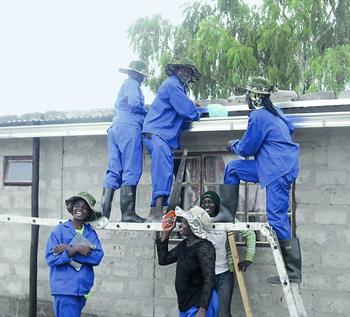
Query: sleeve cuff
point(203, 110)
point(249, 258)
point(234, 142)
point(65, 257)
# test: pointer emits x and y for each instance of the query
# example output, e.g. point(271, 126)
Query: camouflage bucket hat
point(90, 200)
point(260, 85)
point(197, 218)
point(184, 62)
point(136, 66)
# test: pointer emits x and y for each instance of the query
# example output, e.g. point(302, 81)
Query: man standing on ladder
point(275, 166)
point(163, 126)
point(125, 146)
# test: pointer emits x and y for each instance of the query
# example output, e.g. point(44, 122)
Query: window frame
point(246, 213)
point(7, 160)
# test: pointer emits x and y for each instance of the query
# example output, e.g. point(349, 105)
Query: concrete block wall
point(67, 166)
point(15, 240)
point(129, 281)
point(324, 219)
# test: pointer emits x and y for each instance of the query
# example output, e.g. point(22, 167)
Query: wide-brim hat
point(90, 200)
point(137, 66)
point(184, 62)
point(260, 85)
point(197, 218)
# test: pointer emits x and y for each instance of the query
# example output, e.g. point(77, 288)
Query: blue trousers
point(162, 167)
point(224, 287)
point(212, 310)
point(277, 193)
point(124, 156)
point(68, 306)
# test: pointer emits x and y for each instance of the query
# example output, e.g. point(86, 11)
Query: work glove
point(242, 265)
point(230, 143)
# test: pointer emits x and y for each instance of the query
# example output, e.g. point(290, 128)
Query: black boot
point(106, 201)
point(127, 204)
point(106, 206)
point(156, 212)
point(292, 259)
point(229, 195)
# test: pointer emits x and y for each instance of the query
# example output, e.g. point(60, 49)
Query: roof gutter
point(316, 119)
point(239, 123)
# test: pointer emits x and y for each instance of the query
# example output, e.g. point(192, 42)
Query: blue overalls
point(124, 137)
point(276, 165)
point(162, 130)
point(68, 286)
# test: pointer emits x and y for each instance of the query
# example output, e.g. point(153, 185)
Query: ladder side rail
point(292, 294)
point(282, 272)
point(127, 226)
point(295, 287)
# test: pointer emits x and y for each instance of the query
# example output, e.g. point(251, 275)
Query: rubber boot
point(229, 195)
point(106, 206)
point(156, 213)
point(127, 204)
point(292, 259)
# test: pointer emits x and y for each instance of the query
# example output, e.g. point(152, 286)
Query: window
point(205, 171)
point(17, 170)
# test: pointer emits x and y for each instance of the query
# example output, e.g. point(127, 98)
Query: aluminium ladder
point(291, 291)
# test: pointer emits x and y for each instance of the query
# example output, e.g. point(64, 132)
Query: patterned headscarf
point(256, 99)
point(257, 89)
point(197, 218)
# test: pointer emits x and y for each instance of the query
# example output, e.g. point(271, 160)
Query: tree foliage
point(298, 44)
point(332, 69)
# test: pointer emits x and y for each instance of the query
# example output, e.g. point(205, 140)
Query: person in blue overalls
point(163, 126)
point(71, 265)
point(275, 166)
point(125, 147)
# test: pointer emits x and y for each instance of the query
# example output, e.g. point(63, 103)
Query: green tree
point(300, 31)
point(151, 38)
point(298, 44)
point(331, 70)
point(224, 62)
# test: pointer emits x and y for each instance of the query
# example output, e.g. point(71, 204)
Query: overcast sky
point(64, 54)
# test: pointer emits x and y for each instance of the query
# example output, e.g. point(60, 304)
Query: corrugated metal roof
point(57, 117)
point(305, 114)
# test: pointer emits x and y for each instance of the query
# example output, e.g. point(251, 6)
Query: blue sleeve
point(288, 122)
point(183, 105)
point(134, 98)
point(252, 139)
point(95, 256)
point(291, 127)
point(55, 259)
